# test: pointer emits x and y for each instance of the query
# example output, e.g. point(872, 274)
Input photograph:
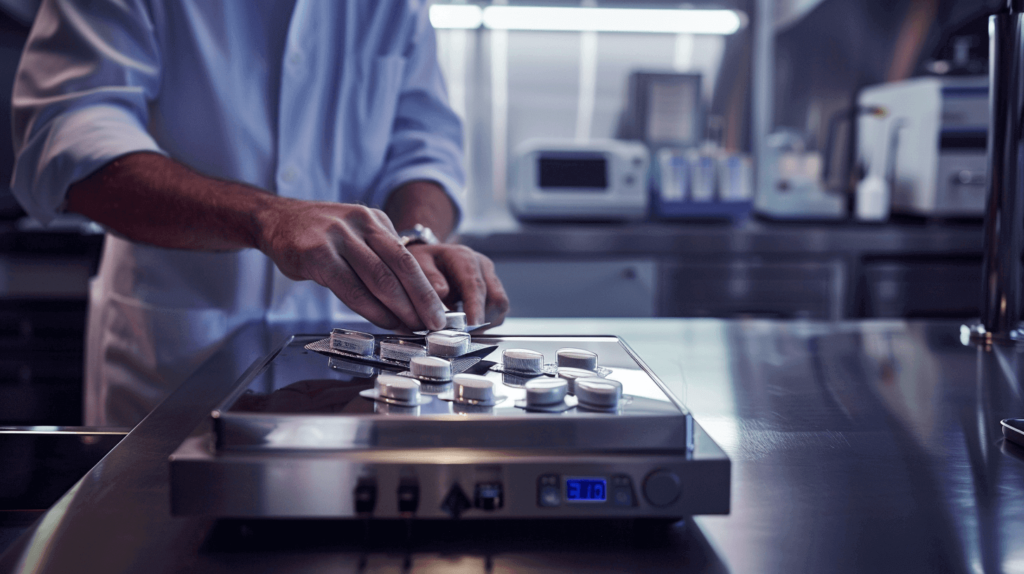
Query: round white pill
point(473, 388)
point(352, 342)
point(577, 359)
point(571, 374)
point(431, 367)
point(455, 321)
point(544, 391)
point(447, 343)
point(523, 360)
point(398, 388)
point(598, 393)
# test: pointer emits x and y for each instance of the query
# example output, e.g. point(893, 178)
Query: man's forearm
point(149, 198)
point(350, 249)
point(421, 202)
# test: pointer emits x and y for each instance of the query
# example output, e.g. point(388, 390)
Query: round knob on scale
point(662, 487)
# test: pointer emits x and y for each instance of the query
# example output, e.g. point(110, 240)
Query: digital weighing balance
point(305, 435)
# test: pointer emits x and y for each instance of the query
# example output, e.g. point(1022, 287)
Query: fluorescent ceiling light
point(572, 19)
point(456, 16)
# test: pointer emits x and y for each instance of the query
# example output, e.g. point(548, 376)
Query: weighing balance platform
point(295, 439)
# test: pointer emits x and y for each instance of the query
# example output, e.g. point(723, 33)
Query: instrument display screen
point(586, 489)
point(569, 173)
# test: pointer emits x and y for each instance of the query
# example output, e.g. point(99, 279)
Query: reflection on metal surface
point(1013, 431)
point(41, 541)
point(64, 430)
point(837, 467)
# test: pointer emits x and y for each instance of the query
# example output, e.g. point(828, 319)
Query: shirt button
point(289, 175)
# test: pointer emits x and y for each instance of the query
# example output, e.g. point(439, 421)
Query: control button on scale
point(408, 496)
point(622, 491)
point(456, 502)
point(365, 496)
point(548, 492)
point(488, 496)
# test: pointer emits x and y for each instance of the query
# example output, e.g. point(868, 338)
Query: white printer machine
point(926, 146)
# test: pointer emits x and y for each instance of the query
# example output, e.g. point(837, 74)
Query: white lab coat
point(319, 100)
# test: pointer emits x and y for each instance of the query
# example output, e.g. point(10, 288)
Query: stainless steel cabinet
point(574, 288)
point(920, 288)
point(753, 287)
point(820, 287)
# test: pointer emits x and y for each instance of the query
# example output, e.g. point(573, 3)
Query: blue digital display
point(586, 489)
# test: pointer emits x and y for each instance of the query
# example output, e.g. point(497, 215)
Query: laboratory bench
point(753, 268)
point(856, 446)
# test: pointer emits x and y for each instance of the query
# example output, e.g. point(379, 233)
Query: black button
point(456, 502)
point(408, 496)
point(365, 497)
point(488, 496)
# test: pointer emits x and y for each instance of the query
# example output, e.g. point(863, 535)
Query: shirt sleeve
point(426, 137)
point(80, 96)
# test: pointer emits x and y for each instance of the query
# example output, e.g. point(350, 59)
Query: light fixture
point(584, 19)
point(456, 16)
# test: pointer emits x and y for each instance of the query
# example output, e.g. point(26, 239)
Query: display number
point(586, 489)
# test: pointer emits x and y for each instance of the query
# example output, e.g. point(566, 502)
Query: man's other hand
point(460, 274)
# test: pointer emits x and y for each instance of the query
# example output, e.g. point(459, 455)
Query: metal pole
point(764, 93)
point(1004, 214)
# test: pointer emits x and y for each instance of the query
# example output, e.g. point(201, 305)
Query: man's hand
point(352, 250)
point(355, 252)
point(460, 274)
point(457, 272)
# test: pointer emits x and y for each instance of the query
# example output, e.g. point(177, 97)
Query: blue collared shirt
point(331, 100)
point(336, 100)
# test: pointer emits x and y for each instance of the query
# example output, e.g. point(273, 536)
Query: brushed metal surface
point(857, 447)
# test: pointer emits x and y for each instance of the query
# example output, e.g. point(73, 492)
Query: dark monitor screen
point(566, 173)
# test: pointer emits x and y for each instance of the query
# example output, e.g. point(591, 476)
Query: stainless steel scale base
point(295, 440)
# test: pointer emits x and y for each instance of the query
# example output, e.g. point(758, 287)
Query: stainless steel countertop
point(856, 447)
point(503, 237)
